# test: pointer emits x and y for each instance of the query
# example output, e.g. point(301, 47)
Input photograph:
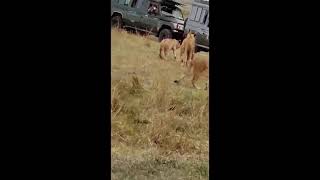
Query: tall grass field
point(159, 129)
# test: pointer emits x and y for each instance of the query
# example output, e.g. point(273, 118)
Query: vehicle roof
point(203, 2)
point(168, 2)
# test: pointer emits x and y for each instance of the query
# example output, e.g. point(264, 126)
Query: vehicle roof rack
point(206, 2)
point(169, 2)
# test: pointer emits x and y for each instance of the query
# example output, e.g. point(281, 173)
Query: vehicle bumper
point(177, 33)
point(203, 47)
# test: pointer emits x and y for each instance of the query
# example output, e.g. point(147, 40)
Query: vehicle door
point(150, 20)
point(203, 29)
point(122, 6)
point(134, 14)
point(199, 19)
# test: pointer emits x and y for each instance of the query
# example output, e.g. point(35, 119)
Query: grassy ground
point(159, 129)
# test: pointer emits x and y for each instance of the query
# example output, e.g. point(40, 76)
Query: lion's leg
point(191, 59)
point(188, 58)
point(181, 54)
point(174, 53)
point(160, 53)
point(166, 53)
point(192, 55)
point(194, 79)
point(189, 66)
point(186, 61)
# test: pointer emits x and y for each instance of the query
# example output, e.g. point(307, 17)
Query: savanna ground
point(159, 128)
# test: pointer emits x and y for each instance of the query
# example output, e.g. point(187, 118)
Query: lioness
point(198, 67)
point(167, 45)
point(188, 47)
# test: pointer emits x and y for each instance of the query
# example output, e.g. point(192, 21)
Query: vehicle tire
point(165, 34)
point(197, 49)
point(116, 21)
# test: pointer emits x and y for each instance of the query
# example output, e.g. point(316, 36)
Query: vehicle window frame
point(158, 7)
point(126, 2)
point(207, 20)
point(139, 4)
point(177, 9)
point(133, 3)
point(145, 5)
point(204, 16)
point(192, 14)
point(181, 13)
point(198, 13)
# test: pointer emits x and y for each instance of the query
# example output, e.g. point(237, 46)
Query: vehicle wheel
point(197, 49)
point(116, 21)
point(165, 34)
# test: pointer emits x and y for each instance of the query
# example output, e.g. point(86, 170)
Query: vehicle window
point(134, 2)
point(177, 13)
point(145, 4)
point(204, 15)
point(153, 9)
point(139, 3)
point(198, 14)
point(193, 12)
point(124, 2)
point(167, 11)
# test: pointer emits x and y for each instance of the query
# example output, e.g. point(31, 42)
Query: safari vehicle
point(198, 22)
point(162, 18)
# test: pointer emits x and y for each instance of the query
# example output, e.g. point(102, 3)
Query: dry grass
point(159, 129)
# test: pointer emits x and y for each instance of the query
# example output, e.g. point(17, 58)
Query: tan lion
point(166, 45)
point(198, 67)
point(188, 48)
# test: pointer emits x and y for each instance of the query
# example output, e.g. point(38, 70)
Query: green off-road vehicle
point(162, 18)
